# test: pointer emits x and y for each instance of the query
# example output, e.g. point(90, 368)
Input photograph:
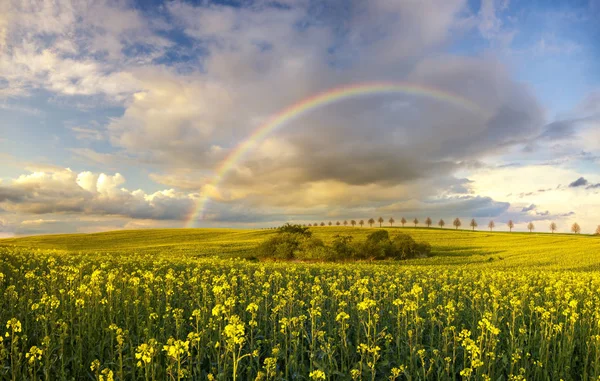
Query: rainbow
point(316, 101)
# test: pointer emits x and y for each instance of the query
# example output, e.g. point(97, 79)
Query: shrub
point(282, 246)
point(378, 236)
point(405, 247)
point(342, 247)
point(295, 229)
point(297, 245)
point(312, 248)
point(422, 249)
point(376, 246)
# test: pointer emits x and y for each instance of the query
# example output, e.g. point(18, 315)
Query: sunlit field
point(495, 306)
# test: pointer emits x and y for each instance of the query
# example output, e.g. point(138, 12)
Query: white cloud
point(88, 193)
point(245, 64)
point(39, 221)
point(74, 47)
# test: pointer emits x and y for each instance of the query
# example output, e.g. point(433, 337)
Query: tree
point(371, 222)
point(441, 223)
point(530, 226)
point(576, 228)
point(511, 225)
point(329, 223)
point(456, 223)
point(294, 229)
point(597, 230)
point(361, 223)
point(473, 224)
point(391, 221)
point(337, 223)
point(403, 221)
point(491, 225)
point(416, 222)
point(353, 223)
point(309, 225)
point(553, 227)
point(380, 220)
point(428, 222)
point(322, 223)
point(345, 223)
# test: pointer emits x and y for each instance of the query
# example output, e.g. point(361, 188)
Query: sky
point(120, 114)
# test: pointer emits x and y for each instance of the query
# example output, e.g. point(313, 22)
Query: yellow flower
point(34, 355)
point(14, 324)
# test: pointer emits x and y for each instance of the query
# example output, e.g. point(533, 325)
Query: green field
point(185, 304)
point(450, 247)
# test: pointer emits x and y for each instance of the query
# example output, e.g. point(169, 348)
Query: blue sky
point(115, 114)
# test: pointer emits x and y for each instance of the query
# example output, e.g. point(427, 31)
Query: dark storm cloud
point(12, 195)
point(393, 139)
point(529, 208)
point(580, 182)
point(464, 206)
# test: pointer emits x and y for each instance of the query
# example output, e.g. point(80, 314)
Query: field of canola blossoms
point(145, 317)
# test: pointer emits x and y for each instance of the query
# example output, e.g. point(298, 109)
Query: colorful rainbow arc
point(320, 100)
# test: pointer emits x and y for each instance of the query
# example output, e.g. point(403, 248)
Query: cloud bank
point(184, 84)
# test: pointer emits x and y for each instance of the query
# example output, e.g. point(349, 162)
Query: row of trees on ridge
point(575, 228)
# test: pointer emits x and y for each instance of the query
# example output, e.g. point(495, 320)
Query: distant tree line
point(575, 228)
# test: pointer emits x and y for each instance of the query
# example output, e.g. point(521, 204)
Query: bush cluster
point(297, 242)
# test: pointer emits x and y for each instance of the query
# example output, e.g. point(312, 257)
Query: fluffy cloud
point(91, 194)
point(367, 143)
point(194, 81)
point(74, 47)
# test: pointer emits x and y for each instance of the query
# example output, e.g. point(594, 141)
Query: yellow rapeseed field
point(477, 310)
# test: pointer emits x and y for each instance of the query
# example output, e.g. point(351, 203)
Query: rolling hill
point(450, 247)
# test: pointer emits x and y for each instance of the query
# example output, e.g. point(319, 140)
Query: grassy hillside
point(450, 247)
point(159, 304)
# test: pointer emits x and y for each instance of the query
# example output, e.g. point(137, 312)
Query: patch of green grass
point(450, 247)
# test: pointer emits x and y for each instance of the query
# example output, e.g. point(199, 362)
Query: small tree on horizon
point(416, 221)
point(322, 223)
point(309, 225)
point(598, 230)
point(552, 227)
point(403, 221)
point(345, 223)
point(428, 222)
point(511, 225)
point(441, 223)
point(530, 226)
point(329, 223)
point(353, 223)
point(380, 220)
point(456, 223)
point(491, 225)
point(361, 223)
point(473, 224)
point(391, 221)
point(576, 228)
point(371, 222)
point(337, 223)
